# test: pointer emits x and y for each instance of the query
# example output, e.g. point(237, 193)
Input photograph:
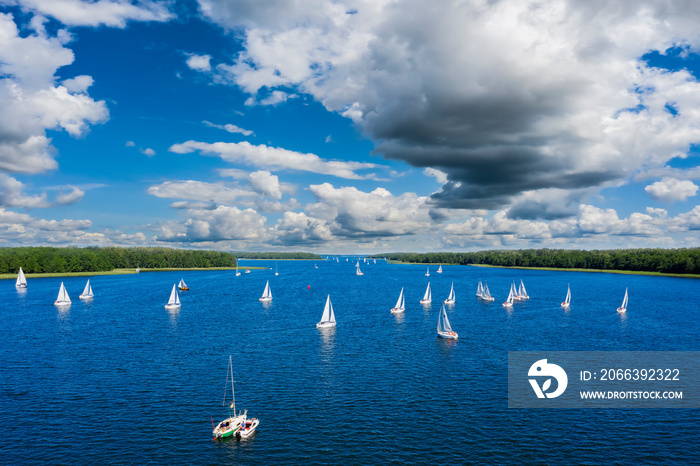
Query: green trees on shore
point(684, 261)
point(93, 259)
point(278, 255)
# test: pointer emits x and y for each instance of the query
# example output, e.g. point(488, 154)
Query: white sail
point(480, 289)
point(357, 269)
point(451, 298)
point(174, 300)
point(522, 293)
point(567, 300)
point(182, 284)
point(21, 280)
point(400, 305)
point(511, 297)
point(427, 297)
point(444, 329)
point(486, 295)
point(238, 274)
point(267, 293)
point(328, 317)
point(87, 292)
point(439, 270)
point(427, 272)
point(623, 307)
point(63, 297)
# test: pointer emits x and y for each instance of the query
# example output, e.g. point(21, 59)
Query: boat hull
point(184, 288)
point(426, 301)
point(62, 303)
point(265, 300)
point(449, 301)
point(397, 310)
point(86, 296)
point(507, 304)
point(172, 306)
point(621, 310)
point(566, 305)
point(21, 286)
point(448, 335)
point(325, 324)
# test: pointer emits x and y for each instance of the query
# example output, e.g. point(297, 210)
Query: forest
point(99, 259)
point(277, 255)
point(680, 261)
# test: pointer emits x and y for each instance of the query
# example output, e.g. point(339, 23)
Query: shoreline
point(7, 276)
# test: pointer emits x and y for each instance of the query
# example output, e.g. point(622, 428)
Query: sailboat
point(623, 307)
point(276, 272)
point(21, 281)
point(328, 317)
point(267, 294)
point(174, 301)
point(182, 285)
point(439, 270)
point(232, 424)
point(357, 269)
point(238, 274)
point(63, 298)
point(514, 291)
point(511, 298)
point(451, 298)
point(567, 300)
point(87, 292)
point(479, 290)
point(400, 304)
point(428, 296)
point(427, 273)
point(444, 330)
point(522, 294)
point(486, 295)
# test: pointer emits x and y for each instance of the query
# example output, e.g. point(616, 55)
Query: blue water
point(122, 380)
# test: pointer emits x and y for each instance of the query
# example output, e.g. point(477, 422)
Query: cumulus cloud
point(199, 62)
point(12, 195)
point(221, 224)
point(218, 193)
point(671, 190)
point(540, 94)
point(275, 158)
point(230, 128)
point(148, 151)
point(114, 13)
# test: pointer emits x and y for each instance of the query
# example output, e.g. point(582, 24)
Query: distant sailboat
point(486, 295)
point(511, 297)
point(514, 291)
point(182, 285)
point(87, 292)
point(315, 266)
point(439, 270)
point(21, 280)
point(357, 269)
point(174, 301)
point(444, 330)
point(400, 304)
point(623, 307)
point(428, 296)
point(276, 272)
point(328, 317)
point(451, 298)
point(267, 293)
point(238, 274)
point(567, 300)
point(479, 290)
point(427, 273)
point(63, 298)
point(522, 294)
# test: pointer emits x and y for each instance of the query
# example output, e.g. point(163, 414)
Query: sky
point(350, 127)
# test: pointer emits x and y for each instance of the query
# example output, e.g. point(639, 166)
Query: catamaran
point(451, 298)
point(444, 330)
point(357, 269)
point(63, 298)
point(439, 270)
point(267, 293)
point(486, 295)
point(87, 292)
point(174, 301)
point(328, 317)
point(623, 307)
point(428, 296)
point(232, 424)
point(522, 294)
point(567, 300)
point(479, 290)
point(511, 298)
point(427, 273)
point(21, 281)
point(400, 304)
point(182, 285)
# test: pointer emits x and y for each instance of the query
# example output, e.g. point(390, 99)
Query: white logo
point(542, 369)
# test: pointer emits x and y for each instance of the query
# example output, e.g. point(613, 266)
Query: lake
point(122, 380)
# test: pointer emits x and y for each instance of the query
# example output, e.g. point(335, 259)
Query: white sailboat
point(479, 290)
point(427, 273)
point(439, 270)
point(267, 293)
point(400, 304)
point(428, 296)
point(87, 292)
point(238, 274)
point(182, 285)
point(174, 301)
point(232, 424)
point(21, 280)
point(514, 291)
point(567, 300)
point(276, 272)
point(357, 269)
point(451, 298)
point(522, 293)
point(623, 307)
point(444, 330)
point(328, 317)
point(486, 295)
point(63, 298)
point(511, 298)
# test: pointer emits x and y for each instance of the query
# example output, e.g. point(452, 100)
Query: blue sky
point(349, 126)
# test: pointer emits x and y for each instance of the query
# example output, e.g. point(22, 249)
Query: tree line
point(683, 261)
point(277, 255)
point(99, 259)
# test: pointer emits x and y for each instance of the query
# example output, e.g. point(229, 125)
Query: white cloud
point(266, 183)
point(230, 128)
point(79, 84)
point(199, 62)
point(275, 158)
point(130, 144)
point(198, 191)
point(221, 224)
point(11, 195)
point(440, 176)
point(671, 190)
point(148, 151)
point(114, 13)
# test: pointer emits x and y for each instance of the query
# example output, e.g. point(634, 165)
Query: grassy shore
point(556, 269)
point(13, 276)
